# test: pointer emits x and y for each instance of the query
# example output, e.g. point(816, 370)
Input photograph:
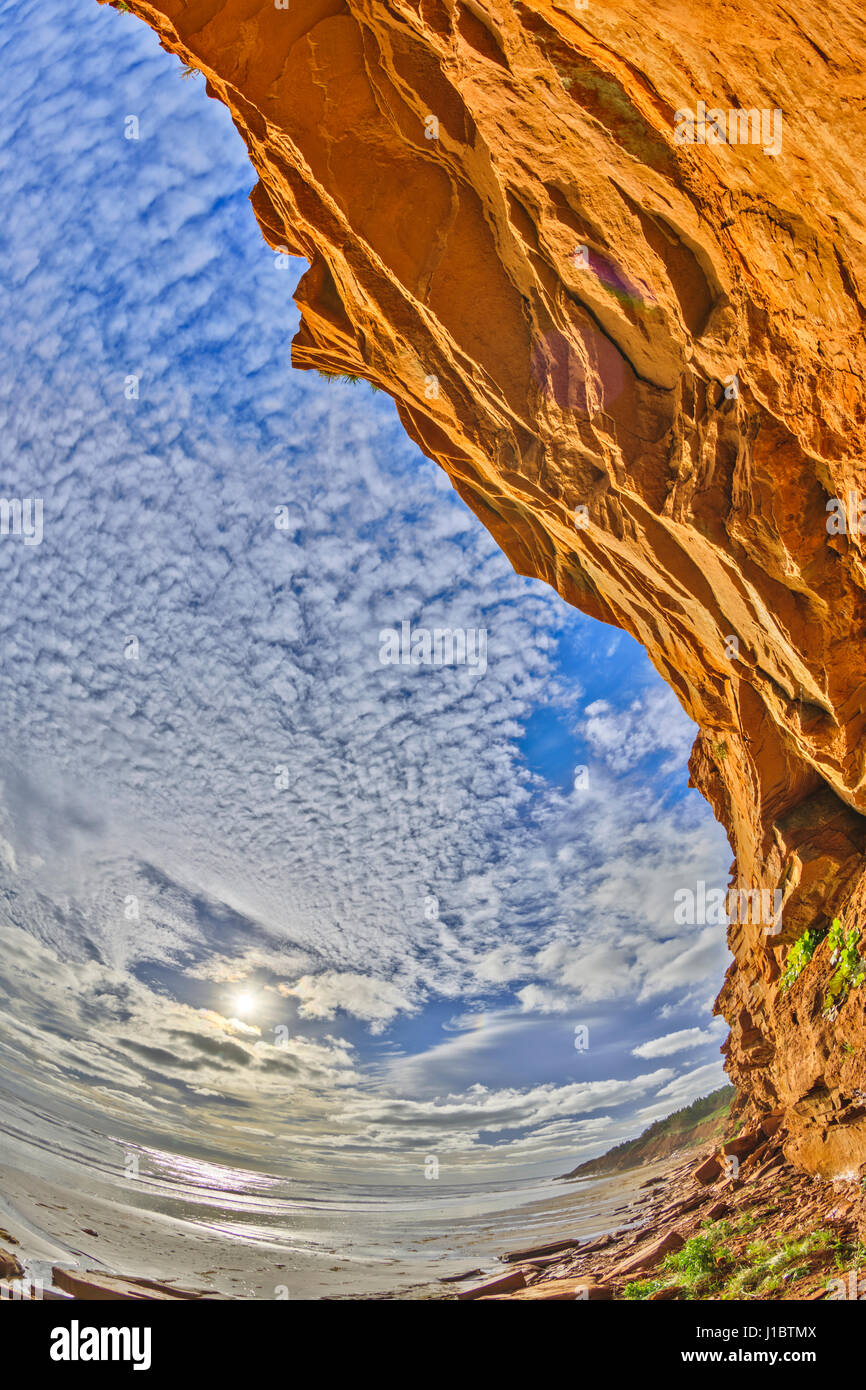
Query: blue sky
point(191, 951)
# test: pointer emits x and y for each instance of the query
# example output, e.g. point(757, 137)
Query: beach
point(361, 1243)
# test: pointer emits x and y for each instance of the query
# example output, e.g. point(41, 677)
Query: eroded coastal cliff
point(609, 262)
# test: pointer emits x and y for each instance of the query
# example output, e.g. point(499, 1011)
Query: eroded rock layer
point(640, 362)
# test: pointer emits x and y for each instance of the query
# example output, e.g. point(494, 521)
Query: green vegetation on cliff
point(698, 1123)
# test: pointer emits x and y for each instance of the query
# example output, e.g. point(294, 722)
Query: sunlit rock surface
point(640, 362)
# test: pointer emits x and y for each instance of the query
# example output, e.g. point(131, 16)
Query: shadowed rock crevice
point(573, 310)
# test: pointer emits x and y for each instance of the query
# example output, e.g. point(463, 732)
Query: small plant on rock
point(642, 1288)
point(697, 1265)
point(850, 969)
point(799, 956)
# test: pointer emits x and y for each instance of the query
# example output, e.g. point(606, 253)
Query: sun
point(244, 1004)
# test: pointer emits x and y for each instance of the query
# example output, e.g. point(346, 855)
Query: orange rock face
point(640, 361)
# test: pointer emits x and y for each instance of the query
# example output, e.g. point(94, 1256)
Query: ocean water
point(66, 1195)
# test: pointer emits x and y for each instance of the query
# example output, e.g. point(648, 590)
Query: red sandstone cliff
point(573, 310)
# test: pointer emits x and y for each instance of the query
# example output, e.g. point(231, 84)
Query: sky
point(263, 895)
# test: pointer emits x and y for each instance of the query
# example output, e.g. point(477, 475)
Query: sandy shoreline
point(612, 1238)
point(734, 1221)
point(81, 1231)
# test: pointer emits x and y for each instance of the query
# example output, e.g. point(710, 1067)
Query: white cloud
point(682, 1041)
point(651, 723)
point(700, 1082)
point(149, 854)
point(321, 996)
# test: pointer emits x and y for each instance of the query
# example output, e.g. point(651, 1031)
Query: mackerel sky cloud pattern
point(168, 648)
